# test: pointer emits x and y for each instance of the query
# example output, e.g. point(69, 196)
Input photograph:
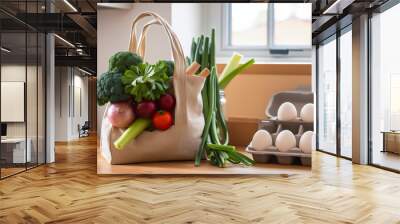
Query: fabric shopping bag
point(182, 140)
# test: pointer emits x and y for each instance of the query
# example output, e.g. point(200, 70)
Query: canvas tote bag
point(181, 141)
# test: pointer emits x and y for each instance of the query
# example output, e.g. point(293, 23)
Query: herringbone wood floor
point(70, 191)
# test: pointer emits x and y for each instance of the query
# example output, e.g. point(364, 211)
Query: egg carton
point(273, 155)
point(297, 98)
point(274, 126)
point(300, 131)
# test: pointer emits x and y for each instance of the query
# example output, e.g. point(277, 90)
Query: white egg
point(261, 140)
point(287, 111)
point(306, 142)
point(285, 141)
point(307, 112)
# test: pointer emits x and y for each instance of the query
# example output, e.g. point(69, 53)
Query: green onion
point(215, 137)
point(204, 56)
point(198, 50)
point(212, 49)
point(223, 127)
point(208, 118)
point(193, 50)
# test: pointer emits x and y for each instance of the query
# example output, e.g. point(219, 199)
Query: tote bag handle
point(176, 47)
point(141, 48)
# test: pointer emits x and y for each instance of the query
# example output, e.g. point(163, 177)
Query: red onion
point(166, 102)
point(146, 109)
point(120, 114)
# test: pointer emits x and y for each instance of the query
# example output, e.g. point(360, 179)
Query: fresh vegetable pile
point(214, 144)
point(138, 95)
point(140, 98)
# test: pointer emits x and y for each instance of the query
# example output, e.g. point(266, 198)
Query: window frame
point(271, 49)
point(371, 74)
point(333, 37)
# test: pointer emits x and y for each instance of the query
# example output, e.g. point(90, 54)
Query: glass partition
point(385, 89)
point(14, 153)
point(41, 96)
point(346, 93)
point(22, 78)
point(327, 96)
point(31, 97)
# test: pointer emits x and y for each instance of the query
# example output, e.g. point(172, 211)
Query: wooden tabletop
point(188, 168)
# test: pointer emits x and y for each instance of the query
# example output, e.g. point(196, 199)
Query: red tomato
point(162, 120)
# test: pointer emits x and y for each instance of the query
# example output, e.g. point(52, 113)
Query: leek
point(232, 64)
point(224, 81)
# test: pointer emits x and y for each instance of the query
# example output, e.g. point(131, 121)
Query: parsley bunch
point(145, 81)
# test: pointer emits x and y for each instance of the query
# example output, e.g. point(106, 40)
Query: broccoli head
point(121, 61)
point(110, 88)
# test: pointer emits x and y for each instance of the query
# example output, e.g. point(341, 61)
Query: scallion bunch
point(215, 138)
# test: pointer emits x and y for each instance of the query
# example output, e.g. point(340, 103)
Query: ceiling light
point(5, 50)
point(84, 71)
point(65, 41)
point(70, 5)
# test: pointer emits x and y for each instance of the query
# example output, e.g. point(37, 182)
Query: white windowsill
point(270, 60)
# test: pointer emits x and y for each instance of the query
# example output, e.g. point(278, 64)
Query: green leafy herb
point(170, 66)
point(146, 81)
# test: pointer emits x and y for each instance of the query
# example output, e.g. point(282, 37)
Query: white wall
point(61, 103)
point(79, 117)
point(67, 115)
point(82, 82)
point(187, 22)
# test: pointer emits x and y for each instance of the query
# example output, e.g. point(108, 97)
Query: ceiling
point(74, 22)
point(332, 15)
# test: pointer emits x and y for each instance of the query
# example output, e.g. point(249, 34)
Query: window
point(248, 24)
point(334, 83)
point(346, 74)
point(385, 89)
point(289, 19)
point(327, 96)
point(274, 27)
point(394, 102)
